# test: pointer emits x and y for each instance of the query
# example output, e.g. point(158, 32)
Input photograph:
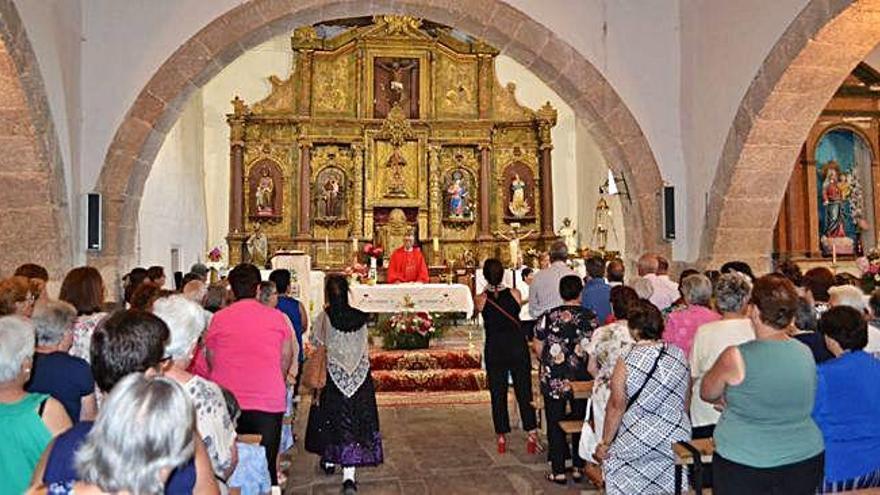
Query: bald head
point(195, 291)
point(647, 264)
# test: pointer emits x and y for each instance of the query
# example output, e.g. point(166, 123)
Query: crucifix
point(513, 236)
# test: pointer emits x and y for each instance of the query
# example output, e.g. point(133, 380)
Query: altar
point(388, 125)
point(428, 298)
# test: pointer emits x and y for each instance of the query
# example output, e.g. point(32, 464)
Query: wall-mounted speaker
point(94, 218)
point(669, 212)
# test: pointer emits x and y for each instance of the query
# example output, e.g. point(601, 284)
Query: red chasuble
point(407, 266)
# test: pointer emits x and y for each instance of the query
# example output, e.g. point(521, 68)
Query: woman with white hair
point(146, 429)
point(28, 421)
point(186, 321)
point(57, 373)
point(682, 325)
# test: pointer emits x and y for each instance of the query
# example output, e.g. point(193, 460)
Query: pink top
point(682, 325)
point(245, 344)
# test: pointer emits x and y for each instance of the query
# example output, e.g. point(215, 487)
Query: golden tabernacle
point(385, 124)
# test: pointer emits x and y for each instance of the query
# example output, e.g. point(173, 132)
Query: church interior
point(405, 146)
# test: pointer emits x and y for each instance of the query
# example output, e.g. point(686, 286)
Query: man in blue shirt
point(596, 295)
point(295, 311)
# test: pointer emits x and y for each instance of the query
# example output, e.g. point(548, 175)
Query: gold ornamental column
point(546, 120)
point(305, 190)
point(236, 165)
point(485, 181)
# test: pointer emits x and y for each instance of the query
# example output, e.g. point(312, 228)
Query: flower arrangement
point(407, 330)
point(371, 251)
point(357, 273)
point(215, 254)
point(869, 265)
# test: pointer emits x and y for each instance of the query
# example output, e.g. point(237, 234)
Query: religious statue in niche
point(396, 181)
point(519, 195)
point(841, 156)
point(518, 206)
point(330, 194)
point(459, 205)
point(396, 82)
point(266, 190)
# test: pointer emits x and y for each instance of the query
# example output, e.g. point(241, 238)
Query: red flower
point(367, 248)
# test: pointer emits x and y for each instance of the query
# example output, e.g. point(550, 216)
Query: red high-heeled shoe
point(502, 444)
point(532, 444)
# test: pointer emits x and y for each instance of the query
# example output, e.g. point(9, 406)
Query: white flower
point(555, 349)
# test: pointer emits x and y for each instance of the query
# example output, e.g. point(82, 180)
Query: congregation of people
point(190, 390)
point(194, 390)
point(779, 370)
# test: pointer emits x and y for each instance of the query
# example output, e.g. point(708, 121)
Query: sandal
point(533, 445)
point(576, 475)
point(559, 479)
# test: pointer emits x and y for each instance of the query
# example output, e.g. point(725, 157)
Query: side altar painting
point(388, 124)
point(843, 163)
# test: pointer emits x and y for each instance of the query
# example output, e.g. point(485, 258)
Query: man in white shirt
point(544, 291)
point(665, 291)
point(848, 295)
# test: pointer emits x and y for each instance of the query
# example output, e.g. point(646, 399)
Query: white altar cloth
point(394, 298)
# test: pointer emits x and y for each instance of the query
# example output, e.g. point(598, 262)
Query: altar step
point(432, 370)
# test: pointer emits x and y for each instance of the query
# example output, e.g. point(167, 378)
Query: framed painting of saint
point(843, 168)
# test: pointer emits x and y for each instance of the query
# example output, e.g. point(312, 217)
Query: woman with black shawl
point(346, 429)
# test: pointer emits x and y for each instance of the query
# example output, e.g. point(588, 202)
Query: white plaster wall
point(246, 77)
point(173, 213)
point(664, 58)
point(722, 43)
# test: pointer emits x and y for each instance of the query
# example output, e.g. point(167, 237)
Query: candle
point(833, 253)
point(436, 244)
point(354, 244)
point(326, 244)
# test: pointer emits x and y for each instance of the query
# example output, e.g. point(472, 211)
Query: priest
point(407, 263)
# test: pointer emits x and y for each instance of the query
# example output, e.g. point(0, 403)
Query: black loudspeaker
point(669, 212)
point(93, 221)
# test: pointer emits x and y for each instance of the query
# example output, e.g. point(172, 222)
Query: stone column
point(236, 176)
point(305, 190)
point(485, 181)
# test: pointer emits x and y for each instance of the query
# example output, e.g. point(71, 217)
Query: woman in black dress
point(506, 354)
point(345, 429)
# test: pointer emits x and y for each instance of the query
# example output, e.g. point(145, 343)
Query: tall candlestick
point(436, 244)
point(354, 244)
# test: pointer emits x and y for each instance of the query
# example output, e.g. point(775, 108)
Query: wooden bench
point(582, 389)
point(572, 426)
point(696, 453)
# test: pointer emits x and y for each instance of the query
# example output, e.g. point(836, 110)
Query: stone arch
point(560, 66)
point(34, 215)
point(797, 79)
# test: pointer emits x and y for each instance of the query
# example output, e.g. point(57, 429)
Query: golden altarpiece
point(387, 124)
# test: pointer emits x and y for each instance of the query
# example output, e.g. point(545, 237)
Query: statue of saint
point(518, 206)
point(265, 194)
point(569, 235)
point(258, 247)
point(457, 196)
point(331, 197)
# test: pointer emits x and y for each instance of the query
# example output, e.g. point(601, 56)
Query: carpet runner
point(428, 370)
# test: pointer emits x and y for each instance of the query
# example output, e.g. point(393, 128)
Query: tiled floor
point(436, 449)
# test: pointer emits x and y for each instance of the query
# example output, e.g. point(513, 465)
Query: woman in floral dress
point(562, 336)
point(83, 287)
point(605, 347)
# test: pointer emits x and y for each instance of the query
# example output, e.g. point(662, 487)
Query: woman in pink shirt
point(682, 325)
point(249, 349)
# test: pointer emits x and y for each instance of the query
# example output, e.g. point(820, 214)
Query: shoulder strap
point(42, 406)
point(632, 400)
point(503, 311)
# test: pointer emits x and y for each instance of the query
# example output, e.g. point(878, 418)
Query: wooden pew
point(696, 452)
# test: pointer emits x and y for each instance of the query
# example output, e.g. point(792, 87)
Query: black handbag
point(315, 438)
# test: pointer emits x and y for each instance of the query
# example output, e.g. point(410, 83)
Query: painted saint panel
point(843, 167)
